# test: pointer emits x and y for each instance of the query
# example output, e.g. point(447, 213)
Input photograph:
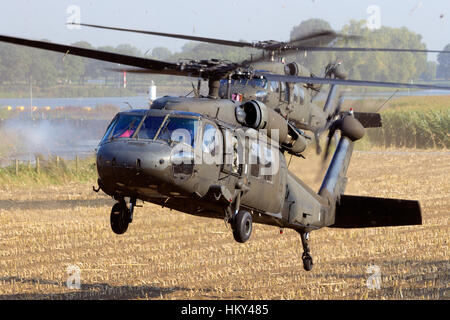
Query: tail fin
point(335, 179)
point(334, 182)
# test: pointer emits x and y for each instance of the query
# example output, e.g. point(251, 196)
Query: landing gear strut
point(122, 216)
point(306, 256)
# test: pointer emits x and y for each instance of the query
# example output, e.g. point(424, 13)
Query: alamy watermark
point(241, 148)
point(74, 279)
point(74, 16)
point(374, 17)
point(374, 280)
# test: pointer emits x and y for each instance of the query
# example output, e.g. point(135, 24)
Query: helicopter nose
point(124, 163)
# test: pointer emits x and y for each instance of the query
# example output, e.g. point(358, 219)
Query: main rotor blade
point(161, 67)
point(173, 35)
point(349, 49)
point(149, 64)
point(346, 82)
point(317, 39)
point(325, 36)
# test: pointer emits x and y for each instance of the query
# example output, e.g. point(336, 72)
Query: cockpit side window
point(124, 127)
point(109, 129)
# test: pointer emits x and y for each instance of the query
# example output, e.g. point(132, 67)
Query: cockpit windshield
point(258, 83)
point(150, 127)
point(175, 128)
point(255, 83)
point(180, 129)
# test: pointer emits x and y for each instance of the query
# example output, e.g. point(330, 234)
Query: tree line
point(20, 65)
point(381, 66)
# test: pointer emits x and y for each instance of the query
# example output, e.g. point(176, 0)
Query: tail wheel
point(120, 218)
point(307, 261)
point(242, 226)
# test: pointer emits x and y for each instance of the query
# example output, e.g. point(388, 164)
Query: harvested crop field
point(170, 255)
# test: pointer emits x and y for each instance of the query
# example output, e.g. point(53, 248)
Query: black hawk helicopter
point(225, 158)
point(296, 102)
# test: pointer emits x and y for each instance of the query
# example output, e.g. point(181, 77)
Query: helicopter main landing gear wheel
point(242, 226)
point(120, 217)
point(306, 256)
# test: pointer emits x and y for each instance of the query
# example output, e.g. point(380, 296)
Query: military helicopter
point(294, 101)
point(223, 158)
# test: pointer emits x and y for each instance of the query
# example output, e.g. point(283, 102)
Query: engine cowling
point(291, 69)
point(257, 115)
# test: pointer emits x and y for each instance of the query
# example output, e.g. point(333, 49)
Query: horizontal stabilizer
point(368, 212)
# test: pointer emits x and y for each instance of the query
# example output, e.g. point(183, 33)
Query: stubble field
point(170, 255)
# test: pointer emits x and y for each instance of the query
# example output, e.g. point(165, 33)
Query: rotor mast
point(214, 85)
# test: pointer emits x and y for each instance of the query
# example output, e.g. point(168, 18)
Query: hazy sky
point(228, 19)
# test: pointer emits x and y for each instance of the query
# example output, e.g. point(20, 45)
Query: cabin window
point(254, 170)
point(299, 94)
point(274, 86)
point(254, 159)
point(287, 93)
point(261, 161)
point(212, 144)
point(267, 162)
point(235, 166)
point(232, 153)
point(284, 93)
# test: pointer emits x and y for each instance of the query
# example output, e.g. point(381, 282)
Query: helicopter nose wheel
point(242, 226)
point(306, 256)
point(120, 217)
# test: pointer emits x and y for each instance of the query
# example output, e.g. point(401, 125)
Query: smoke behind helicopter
point(25, 139)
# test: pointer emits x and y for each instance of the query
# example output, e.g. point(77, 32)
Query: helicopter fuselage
point(151, 155)
point(294, 102)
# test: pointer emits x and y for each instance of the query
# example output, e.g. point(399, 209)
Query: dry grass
point(169, 255)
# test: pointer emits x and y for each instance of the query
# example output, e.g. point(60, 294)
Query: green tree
point(72, 67)
point(16, 61)
point(161, 53)
point(91, 69)
point(43, 67)
point(443, 69)
point(383, 66)
point(314, 61)
point(104, 67)
point(128, 49)
point(430, 72)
